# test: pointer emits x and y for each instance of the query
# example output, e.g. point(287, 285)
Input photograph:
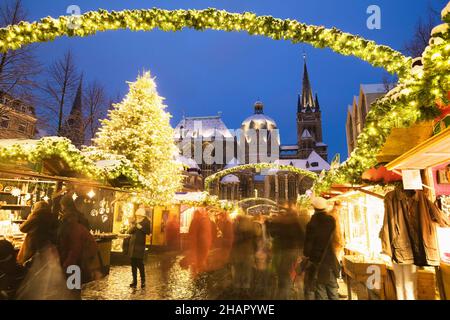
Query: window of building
point(4, 123)
point(314, 164)
point(22, 127)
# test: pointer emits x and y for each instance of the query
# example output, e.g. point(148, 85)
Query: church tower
point(73, 128)
point(309, 121)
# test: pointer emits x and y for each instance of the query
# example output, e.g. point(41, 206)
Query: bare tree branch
point(18, 68)
point(422, 33)
point(60, 87)
point(96, 106)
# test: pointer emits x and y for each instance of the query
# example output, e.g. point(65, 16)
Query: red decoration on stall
point(445, 109)
point(381, 174)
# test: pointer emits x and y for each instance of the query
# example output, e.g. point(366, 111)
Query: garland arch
point(260, 166)
point(418, 92)
point(48, 29)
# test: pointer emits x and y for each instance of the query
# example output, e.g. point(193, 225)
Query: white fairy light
point(91, 194)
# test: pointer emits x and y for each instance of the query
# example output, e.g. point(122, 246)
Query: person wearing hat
point(323, 270)
point(139, 229)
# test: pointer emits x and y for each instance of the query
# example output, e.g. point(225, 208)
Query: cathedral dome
point(259, 121)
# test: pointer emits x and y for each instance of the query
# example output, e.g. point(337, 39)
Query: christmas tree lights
point(139, 129)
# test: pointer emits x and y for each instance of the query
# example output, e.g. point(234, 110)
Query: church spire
point(316, 102)
point(307, 96)
point(73, 129)
point(299, 104)
point(77, 103)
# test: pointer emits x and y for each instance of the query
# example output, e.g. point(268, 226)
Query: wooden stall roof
point(430, 153)
point(23, 172)
point(401, 140)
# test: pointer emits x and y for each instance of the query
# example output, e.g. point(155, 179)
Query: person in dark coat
point(319, 250)
point(68, 207)
point(40, 228)
point(139, 229)
point(11, 273)
point(77, 247)
point(286, 231)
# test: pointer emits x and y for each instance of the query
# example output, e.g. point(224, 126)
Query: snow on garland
point(48, 29)
point(261, 166)
point(83, 163)
point(414, 99)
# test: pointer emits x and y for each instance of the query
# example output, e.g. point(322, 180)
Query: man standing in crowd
point(323, 267)
point(139, 229)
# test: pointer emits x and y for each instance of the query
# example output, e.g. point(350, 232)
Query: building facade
point(17, 119)
point(357, 112)
point(257, 141)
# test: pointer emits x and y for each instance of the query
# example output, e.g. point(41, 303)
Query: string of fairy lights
point(258, 166)
point(418, 92)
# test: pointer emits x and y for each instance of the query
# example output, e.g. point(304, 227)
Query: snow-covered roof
point(107, 164)
point(207, 127)
point(259, 121)
point(289, 147)
point(321, 144)
point(305, 164)
point(306, 134)
point(188, 162)
point(233, 163)
point(373, 88)
point(231, 178)
point(22, 142)
point(190, 196)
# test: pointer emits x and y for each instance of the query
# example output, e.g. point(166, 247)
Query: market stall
point(169, 223)
point(24, 182)
point(361, 217)
point(431, 161)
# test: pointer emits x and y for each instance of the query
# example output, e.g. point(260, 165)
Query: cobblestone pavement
point(166, 280)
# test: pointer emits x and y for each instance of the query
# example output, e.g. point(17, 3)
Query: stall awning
point(430, 153)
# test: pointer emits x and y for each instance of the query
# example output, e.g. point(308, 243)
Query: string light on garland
point(48, 29)
point(418, 91)
point(257, 166)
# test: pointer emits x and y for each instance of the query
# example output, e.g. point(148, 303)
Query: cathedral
point(256, 141)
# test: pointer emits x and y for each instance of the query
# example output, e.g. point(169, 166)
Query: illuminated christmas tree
point(139, 129)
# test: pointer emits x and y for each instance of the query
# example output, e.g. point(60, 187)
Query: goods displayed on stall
point(409, 236)
point(431, 160)
point(16, 200)
point(361, 218)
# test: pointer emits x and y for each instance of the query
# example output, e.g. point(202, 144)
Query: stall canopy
point(430, 153)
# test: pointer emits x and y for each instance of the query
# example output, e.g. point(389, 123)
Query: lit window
point(4, 122)
point(22, 127)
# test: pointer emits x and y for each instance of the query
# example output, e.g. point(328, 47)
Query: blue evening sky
point(203, 73)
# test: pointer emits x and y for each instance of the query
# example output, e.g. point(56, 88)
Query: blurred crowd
point(58, 245)
point(286, 254)
point(282, 254)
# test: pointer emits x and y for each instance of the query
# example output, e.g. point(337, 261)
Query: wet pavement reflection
point(166, 280)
